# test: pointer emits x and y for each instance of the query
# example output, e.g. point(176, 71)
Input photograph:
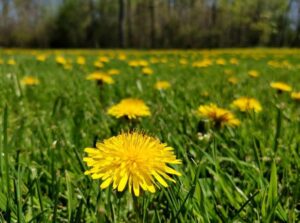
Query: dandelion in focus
point(134, 160)
point(219, 116)
point(245, 104)
point(162, 85)
point(129, 108)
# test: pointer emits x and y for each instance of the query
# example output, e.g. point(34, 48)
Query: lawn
point(54, 104)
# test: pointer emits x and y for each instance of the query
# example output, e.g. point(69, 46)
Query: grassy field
point(229, 173)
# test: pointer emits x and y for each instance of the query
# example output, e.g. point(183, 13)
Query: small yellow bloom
point(41, 58)
point(218, 116)
point(203, 63)
point(1, 61)
point(60, 60)
point(130, 108)
point(143, 63)
point(80, 60)
point(147, 71)
point(233, 80)
point(134, 160)
point(11, 62)
point(98, 64)
point(30, 81)
point(221, 61)
point(245, 104)
point(183, 61)
point(253, 73)
point(104, 59)
point(113, 72)
point(234, 61)
point(122, 57)
point(98, 76)
point(280, 86)
point(295, 96)
point(162, 85)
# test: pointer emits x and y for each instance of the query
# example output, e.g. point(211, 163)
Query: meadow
point(237, 163)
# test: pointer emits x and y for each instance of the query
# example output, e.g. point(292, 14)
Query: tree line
point(149, 23)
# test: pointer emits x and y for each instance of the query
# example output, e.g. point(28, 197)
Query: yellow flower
point(253, 73)
point(162, 85)
point(98, 76)
point(80, 60)
point(245, 104)
point(61, 60)
point(98, 64)
point(202, 63)
point(133, 63)
point(122, 57)
point(183, 61)
point(280, 86)
point(233, 80)
point(134, 160)
point(1, 61)
point(29, 81)
point(147, 71)
point(41, 58)
point(11, 62)
point(295, 96)
point(234, 61)
point(130, 108)
point(113, 72)
point(103, 59)
point(221, 61)
point(143, 63)
point(218, 116)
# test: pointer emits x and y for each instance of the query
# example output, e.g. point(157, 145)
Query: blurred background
point(149, 23)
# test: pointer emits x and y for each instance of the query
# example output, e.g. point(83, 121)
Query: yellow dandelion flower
point(60, 60)
point(122, 57)
point(162, 85)
point(134, 160)
point(183, 61)
point(30, 81)
point(11, 62)
point(218, 116)
point(147, 71)
point(133, 63)
point(103, 59)
point(41, 58)
point(143, 63)
point(80, 60)
point(295, 96)
point(98, 64)
point(233, 80)
point(221, 61)
point(245, 104)
point(98, 76)
point(234, 61)
point(280, 86)
point(130, 108)
point(253, 73)
point(1, 61)
point(113, 72)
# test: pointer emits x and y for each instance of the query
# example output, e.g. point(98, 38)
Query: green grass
point(244, 174)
